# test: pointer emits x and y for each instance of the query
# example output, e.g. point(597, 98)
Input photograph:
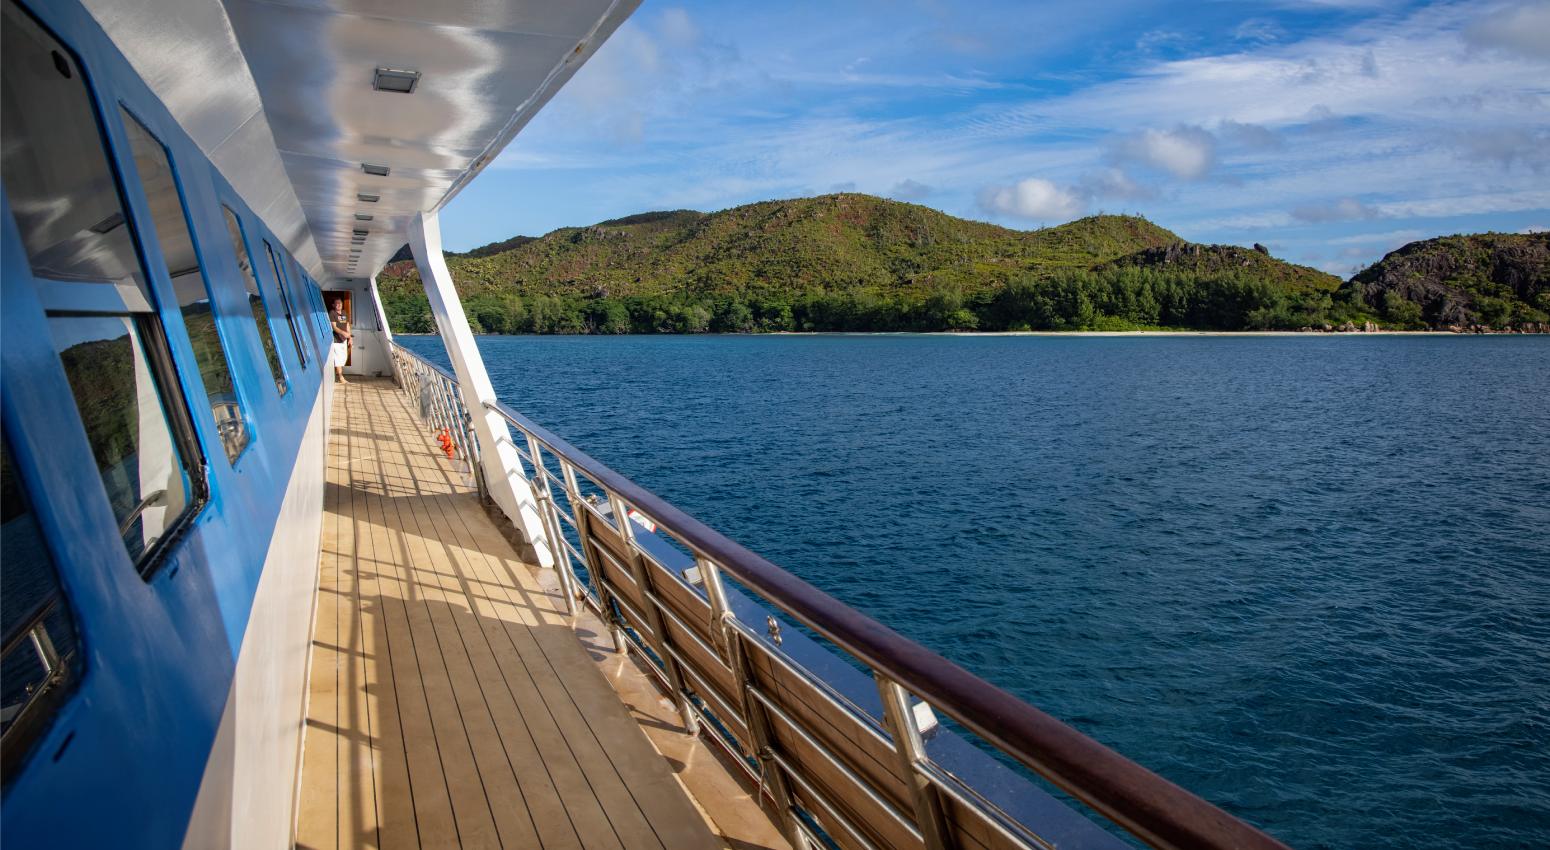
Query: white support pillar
point(376, 304)
point(502, 467)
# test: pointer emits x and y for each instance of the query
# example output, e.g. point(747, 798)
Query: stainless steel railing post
point(573, 496)
point(548, 513)
point(659, 637)
point(772, 776)
point(930, 814)
point(720, 612)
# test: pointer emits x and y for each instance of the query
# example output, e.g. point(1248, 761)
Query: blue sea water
point(1305, 577)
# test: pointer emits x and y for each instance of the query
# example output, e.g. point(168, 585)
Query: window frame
point(226, 345)
point(258, 281)
point(66, 299)
point(276, 264)
point(32, 722)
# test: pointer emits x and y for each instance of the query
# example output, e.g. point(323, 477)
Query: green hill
point(1217, 259)
point(832, 242)
point(857, 262)
point(1494, 280)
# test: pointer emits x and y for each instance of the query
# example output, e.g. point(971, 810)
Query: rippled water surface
point(1307, 578)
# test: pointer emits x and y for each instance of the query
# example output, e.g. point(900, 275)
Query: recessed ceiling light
point(367, 198)
point(375, 170)
point(363, 217)
point(360, 232)
point(394, 80)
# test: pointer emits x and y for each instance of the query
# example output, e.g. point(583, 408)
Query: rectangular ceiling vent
point(367, 198)
point(363, 217)
point(395, 80)
point(359, 232)
point(376, 170)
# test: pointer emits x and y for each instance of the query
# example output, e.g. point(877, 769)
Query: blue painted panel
point(133, 740)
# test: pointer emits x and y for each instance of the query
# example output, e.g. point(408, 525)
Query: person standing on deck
point(340, 352)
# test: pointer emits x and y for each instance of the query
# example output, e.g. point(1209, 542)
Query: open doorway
point(330, 296)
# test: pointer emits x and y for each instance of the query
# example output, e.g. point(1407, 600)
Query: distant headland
point(852, 262)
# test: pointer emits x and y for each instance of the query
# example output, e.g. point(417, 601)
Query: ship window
point(189, 283)
point(40, 657)
point(111, 372)
point(61, 188)
point(255, 300)
point(285, 302)
point(86, 272)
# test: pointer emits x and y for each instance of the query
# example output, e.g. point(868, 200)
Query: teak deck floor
point(451, 705)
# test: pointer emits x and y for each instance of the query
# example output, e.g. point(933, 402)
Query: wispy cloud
point(1344, 209)
point(1308, 124)
point(1521, 28)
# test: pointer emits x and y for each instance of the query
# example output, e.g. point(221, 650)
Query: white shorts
point(339, 353)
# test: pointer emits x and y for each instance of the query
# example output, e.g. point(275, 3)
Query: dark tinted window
point(285, 303)
point(61, 188)
point(255, 300)
point(87, 273)
point(40, 652)
point(189, 282)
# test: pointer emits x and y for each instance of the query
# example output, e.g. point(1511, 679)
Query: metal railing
point(839, 771)
point(440, 404)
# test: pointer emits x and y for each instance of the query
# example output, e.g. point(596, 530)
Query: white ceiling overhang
point(292, 121)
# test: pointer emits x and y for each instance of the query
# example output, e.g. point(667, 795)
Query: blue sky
point(1330, 131)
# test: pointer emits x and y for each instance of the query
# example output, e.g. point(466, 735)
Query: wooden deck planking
point(451, 703)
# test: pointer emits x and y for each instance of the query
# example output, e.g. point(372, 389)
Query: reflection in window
point(285, 303)
point(40, 645)
point(58, 181)
point(255, 300)
point(188, 281)
point(131, 439)
point(66, 201)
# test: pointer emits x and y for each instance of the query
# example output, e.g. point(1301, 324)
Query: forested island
point(851, 262)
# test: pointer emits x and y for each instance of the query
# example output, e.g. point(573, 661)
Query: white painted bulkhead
point(248, 796)
point(369, 354)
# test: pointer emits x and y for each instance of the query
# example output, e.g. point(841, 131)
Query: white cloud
point(910, 190)
point(1391, 237)
point(1115, 184)
point(1249, 136)
point(1186, 152)
point(1508, 147)
point(1345, 209)
point(1034, 198)
point(678, 28)
point(1522, 28)
point(1259, 31)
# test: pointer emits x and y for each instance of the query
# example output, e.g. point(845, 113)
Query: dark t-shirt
point(335, 321)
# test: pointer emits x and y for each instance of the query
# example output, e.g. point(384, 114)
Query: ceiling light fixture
point(367, 198)
point(363, 217)
point(375, 170)
point(395, 80)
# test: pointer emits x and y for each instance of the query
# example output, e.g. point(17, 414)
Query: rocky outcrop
point(1217, 259)
point(1492, 279)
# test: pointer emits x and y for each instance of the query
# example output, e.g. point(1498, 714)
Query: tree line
point(1125, 298)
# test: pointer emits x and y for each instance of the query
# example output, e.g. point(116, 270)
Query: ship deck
point(453, 704)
